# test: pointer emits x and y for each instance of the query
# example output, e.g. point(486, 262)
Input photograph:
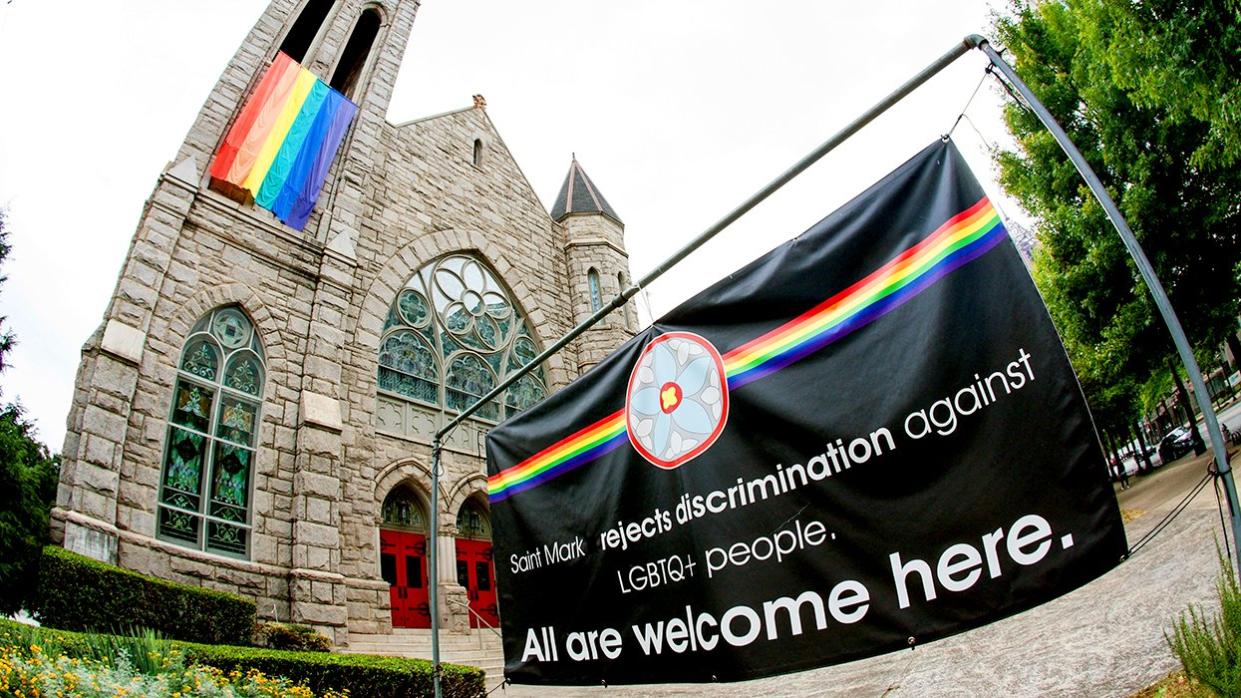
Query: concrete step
point(480, 648)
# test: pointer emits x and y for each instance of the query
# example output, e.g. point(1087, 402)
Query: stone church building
point(255, 411)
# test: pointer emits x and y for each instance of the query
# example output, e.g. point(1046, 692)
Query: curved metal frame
point(971, 42)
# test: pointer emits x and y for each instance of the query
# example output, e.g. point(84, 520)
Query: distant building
point(310, 293)
point(1023, 238)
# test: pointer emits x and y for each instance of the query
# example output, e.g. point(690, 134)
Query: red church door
point(402, 562)
point(476, 573)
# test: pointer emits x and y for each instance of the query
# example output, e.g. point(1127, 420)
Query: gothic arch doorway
point(475, 567)
point(403, 557)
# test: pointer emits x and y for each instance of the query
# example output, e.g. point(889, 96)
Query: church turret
point(598, 262)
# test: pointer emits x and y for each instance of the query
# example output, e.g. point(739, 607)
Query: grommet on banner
point(603, 682)
point(912, 640)
point(714, 677)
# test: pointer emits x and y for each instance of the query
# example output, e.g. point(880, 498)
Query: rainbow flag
point(962, 238)
point(283, 143)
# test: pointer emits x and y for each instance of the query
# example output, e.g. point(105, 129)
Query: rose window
point(454, 333)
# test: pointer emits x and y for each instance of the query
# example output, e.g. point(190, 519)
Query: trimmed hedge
point(360, 674)
point(289, 636)
point(78, 593)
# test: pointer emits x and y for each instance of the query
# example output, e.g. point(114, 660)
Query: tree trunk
point(1109, 456)
point(1195, 437)
point(1143, 449)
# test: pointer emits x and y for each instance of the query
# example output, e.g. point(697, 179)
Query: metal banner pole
point(970, 42)
point(1144, 268)
point(800, 166)
point(433, 565)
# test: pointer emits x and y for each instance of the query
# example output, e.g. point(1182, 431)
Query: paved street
point(1105, 639)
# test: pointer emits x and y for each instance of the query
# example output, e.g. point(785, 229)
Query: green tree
point(1129, 83)
point(27, 487)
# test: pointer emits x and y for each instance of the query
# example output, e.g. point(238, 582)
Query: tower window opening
point(353, 58)
point(297, 42)
point(478, 152)
point(596, 298)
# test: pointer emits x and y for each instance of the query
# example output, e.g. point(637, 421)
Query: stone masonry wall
point(428, 199)
point(398, 197)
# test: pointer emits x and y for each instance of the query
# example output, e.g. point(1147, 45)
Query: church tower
point(598, 263)
point(312, 292)
point(212, 279)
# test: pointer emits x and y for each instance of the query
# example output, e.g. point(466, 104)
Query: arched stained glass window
point(402, 509)
point(473, 522)
point(453, 333)
point(596, 298)
point(204, 500)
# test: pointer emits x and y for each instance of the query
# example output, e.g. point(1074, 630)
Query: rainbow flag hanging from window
point(282, 145)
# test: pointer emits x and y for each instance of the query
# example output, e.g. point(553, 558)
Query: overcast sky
point(677, 109)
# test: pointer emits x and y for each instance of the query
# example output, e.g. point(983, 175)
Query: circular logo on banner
point(677, 401)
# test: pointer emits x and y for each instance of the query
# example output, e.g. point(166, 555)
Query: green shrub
point(146, 652)
point(1210, 648)
point(283, 636)
point(78, 593)
point(360, 674)
point(32, 671)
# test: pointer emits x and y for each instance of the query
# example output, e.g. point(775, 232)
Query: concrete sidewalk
point(1105, 639)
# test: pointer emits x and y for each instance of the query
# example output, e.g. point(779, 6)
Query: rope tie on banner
point(1176, 511)
point(969, 101)
point(900, 680)
point(1223, 523)
point(1017, 98)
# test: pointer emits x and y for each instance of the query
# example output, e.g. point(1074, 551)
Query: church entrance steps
point(477, 648)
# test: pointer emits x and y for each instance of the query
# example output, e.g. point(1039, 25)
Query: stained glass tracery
point(472, 521)
point(212, 433)
point(452, 334)
point(401, 509)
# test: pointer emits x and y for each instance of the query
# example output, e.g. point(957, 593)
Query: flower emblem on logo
point(677, 401)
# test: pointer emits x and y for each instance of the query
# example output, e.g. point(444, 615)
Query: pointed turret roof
point(580, 195)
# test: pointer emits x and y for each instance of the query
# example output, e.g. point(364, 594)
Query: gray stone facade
point(397, 197)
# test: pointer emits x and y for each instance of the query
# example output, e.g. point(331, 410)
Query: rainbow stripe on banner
point(963, 238)
point(602, 437)
point(284, 140)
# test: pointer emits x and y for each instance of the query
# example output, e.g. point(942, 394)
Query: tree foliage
point(27, 487)
point(1143, 90)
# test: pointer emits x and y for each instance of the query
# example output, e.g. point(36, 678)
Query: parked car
point(1129, 464)
point(1175, 444)
point(1140, 465)
point(1134, 465)
point(1156, 459)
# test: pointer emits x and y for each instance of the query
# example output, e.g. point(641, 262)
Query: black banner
point(866, 439)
